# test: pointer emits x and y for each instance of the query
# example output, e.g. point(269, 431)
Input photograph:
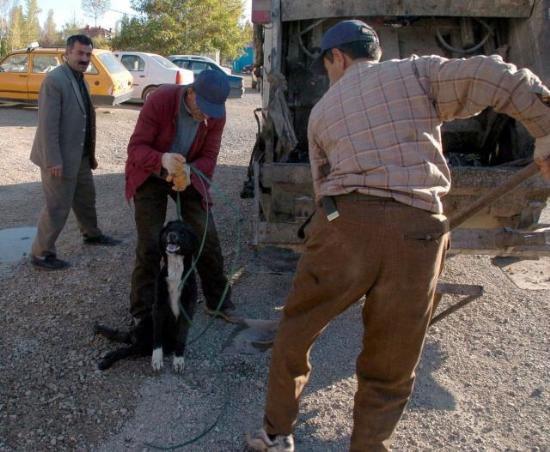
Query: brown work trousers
point(391, 253)
point(61, 194)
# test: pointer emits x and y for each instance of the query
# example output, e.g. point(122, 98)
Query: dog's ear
point(161, 240)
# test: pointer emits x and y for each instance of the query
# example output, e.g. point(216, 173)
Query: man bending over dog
point(178, 126)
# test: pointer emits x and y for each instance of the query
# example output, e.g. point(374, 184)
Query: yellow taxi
point(22, 72)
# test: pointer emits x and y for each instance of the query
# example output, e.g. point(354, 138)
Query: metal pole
point(519, 177)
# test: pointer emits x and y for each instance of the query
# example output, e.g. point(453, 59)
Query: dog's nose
point(172, 237)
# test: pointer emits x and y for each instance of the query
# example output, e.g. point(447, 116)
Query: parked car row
point(190, 58)
point(113, 77)
point(198, 64)
point(150, 71)
point(22, 73)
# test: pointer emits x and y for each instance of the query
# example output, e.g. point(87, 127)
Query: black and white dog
point(166, 329)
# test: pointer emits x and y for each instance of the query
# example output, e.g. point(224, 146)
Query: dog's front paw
point(157, 359)
point(179, 364)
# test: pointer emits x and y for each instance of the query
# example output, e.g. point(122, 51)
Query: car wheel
point(147, 91)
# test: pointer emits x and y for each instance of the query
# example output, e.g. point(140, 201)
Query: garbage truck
point(481, 151)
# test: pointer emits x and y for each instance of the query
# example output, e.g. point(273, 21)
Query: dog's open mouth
point(172, 248)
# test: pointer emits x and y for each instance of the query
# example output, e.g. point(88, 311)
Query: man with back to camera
point(378, 167)
point(64, 149)
point(178, 126)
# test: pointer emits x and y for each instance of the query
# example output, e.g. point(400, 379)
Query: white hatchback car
point(150, 71)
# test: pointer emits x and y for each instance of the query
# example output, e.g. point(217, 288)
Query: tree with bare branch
point(96, 8)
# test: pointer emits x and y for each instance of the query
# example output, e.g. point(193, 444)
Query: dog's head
point(177, 238)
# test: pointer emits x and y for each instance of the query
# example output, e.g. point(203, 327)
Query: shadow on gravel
point(21, 203)
point(428, 393)
point(343, 341)
point(88, 408)
point(18, 116)
point(58, 379)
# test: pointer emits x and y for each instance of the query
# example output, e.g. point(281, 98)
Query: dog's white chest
point(173, 280)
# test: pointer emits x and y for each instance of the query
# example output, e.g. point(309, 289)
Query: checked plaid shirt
point(377, 130)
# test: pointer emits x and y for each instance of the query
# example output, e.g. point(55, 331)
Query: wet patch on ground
point(15, 244)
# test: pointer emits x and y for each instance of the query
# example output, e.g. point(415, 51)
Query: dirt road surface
point(482, 382)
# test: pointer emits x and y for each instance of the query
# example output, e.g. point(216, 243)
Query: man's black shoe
point(49, 262)
point(102, 240)
point(226, 312)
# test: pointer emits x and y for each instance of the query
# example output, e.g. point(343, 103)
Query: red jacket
point(154, 133)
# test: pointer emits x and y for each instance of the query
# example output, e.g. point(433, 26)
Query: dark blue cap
point(211, 88)
point(343, 33)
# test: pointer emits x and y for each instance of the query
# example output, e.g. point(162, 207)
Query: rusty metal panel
point(319, 9)
point(504, 242)
point(530, 41)
point(280, 234)
point(516, 209)
point(286, 173)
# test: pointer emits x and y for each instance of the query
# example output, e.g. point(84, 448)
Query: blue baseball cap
point(211, 90)
point(343, 33)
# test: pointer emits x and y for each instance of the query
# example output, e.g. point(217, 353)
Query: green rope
point(178, 206)
point(202, 435)
point(201, 247)
point(204, 179)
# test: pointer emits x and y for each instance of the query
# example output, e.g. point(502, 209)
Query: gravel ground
point(482, 383)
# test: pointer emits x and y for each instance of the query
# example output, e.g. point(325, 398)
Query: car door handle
point(142, 76)
point(22, 75)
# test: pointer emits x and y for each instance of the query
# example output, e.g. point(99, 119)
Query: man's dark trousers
point(151, 202)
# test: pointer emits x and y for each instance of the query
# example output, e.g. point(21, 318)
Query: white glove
point(181, 179)
point(172, 162)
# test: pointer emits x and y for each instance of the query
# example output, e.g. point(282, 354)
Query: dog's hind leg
point(123, 337)
point(183, 325)
point(179, 349)
point(114, 356)
point(159, 320)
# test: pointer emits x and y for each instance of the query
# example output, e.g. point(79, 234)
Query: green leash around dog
point(204, 179)
point(223, 410)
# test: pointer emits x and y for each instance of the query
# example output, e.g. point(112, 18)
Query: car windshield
point(164, 62)
point(111, 63)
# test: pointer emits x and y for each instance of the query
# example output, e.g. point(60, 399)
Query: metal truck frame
point(481, 151)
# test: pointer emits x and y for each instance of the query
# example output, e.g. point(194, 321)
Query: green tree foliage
point(4, 27)
point(3, 47)
point(31, 25)
point(15, 33)
point(184, 26)
point(70, 28)
point(50, 36)
point(96, 8)
point(101, 43)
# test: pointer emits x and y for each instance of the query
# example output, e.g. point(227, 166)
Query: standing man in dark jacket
point(177, 126)
point(64, 149)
